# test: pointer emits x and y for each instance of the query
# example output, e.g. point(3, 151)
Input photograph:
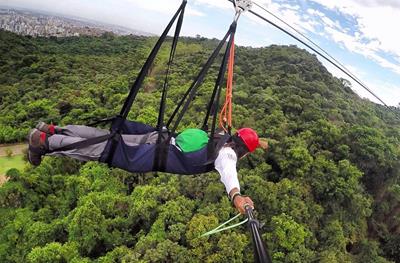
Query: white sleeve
point(225, 164)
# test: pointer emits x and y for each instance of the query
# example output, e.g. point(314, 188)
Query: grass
point(6, 163)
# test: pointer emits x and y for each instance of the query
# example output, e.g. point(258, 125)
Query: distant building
point(36, 24)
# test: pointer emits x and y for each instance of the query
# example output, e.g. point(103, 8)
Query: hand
point(241, 202)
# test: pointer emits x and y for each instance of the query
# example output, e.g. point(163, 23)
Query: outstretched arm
point(225, 164)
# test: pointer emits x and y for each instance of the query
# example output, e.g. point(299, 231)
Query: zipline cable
point(319, 53)
point(320, 48)
point(323, 56)
point(308, 39)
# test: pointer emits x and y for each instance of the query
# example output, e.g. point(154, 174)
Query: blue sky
point(361, 34)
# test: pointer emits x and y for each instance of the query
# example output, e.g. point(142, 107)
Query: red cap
point(249, 137)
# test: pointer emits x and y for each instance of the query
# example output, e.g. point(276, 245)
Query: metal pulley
point(243, 5)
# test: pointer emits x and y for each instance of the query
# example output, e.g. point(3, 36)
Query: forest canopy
point(327, 190)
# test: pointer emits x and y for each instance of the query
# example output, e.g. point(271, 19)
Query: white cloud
point(156, 5)
point(314, 12)
point(374, 3)
point(374, 29)
point(194, 12)
point(371, 37)
point(387, 92)
point(329, 22)
point(222, 4)
point(292, 18)
point(291, 14)
point(354, 85)
point(164, 7)
point(369, 49)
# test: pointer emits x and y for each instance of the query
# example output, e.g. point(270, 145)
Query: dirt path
point(16, 148)
point(3, 179)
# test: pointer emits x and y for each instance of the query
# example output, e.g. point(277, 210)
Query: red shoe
point(38, 145)
point(48, 128)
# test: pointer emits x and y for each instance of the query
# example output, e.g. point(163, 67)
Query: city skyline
point(343, 28)
point(36, 23)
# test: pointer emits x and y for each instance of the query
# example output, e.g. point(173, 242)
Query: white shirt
point(225, 164)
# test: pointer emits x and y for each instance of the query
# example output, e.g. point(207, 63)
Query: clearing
point(17, 149)
point(15, 161)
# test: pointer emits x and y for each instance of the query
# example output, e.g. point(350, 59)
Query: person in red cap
point(49, 137)
point(243, 142)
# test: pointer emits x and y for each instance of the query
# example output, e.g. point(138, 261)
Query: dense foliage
point(328, 190)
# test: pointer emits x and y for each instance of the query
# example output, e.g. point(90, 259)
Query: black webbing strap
point(134, 89)
point(171, 118)
point(113, 146)
point(162, 147)
point(214, 120)
point(213, 105)
point(213, 150)
point(198, 81)
point(161, 151)
point(161, 113)
point(161, 156)
point(83, 144)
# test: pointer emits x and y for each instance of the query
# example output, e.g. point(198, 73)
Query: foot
point(37, 146)
point(48, 128)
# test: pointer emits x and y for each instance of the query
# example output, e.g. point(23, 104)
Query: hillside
point(328, 190)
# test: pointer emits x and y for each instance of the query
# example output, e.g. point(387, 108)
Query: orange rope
point(225, 117)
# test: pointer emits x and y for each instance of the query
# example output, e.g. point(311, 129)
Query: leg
point(82, 131)
point(136, 139)
point(90, 153)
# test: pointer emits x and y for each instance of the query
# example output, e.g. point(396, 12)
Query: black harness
point(163, 156)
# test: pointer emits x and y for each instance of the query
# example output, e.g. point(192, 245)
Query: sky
point(360, 34)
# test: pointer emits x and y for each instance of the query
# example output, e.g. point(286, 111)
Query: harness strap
point(214, 150)
point(213, 105)
point(134, 89)
point(162, 148)
point(161, 153)
point(145, 69)
point(161, 156)
point(161, 113)
point(193, 89)
point(113, 146)
point(83, 144)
